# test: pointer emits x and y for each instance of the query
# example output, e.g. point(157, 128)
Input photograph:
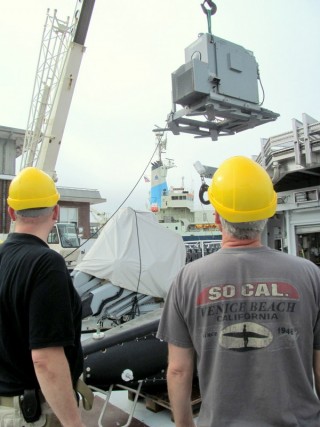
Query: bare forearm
point(53, 373)
point(179, 388)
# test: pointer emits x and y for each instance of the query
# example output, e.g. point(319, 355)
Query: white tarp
point(135, 252)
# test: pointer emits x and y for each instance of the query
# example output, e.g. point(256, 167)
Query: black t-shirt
point(39, 308)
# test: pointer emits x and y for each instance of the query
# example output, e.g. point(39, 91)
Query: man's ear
point(12, 213)
point(217, 218)
point(56, 211)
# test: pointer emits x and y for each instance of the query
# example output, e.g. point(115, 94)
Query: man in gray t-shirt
point(248, 315)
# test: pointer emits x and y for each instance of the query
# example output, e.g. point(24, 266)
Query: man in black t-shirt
point(40, 312)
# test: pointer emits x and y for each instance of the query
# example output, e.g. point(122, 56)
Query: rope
point(139, 250)
point(209, 21)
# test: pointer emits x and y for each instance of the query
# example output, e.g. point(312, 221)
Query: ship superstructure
point(174, 206)
point(292, 159)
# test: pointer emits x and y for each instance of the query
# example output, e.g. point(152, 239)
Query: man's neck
point(34, 231)
point(232, 242)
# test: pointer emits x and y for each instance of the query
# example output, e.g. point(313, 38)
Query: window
point(68, 214)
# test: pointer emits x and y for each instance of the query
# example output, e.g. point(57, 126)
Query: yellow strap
point(86, 394)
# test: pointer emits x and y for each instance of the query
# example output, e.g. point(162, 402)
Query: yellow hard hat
point(32, 188)
point(242, 191)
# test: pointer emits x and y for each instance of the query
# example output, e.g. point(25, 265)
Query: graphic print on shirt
point(245, 337)
point(233, 313)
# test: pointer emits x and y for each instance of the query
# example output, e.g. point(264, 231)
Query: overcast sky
point(124, 85)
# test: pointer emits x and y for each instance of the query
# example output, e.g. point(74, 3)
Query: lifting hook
point(212, 6)
point(209, 12)
point(203, 189)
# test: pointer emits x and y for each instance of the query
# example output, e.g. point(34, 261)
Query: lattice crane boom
point(60, 56)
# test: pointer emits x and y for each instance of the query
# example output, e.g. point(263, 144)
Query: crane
point(60, 56)
point(61, 52)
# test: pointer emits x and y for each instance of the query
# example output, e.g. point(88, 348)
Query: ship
point(174, 208)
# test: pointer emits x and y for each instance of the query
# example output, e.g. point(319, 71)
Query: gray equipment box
point(215, 65)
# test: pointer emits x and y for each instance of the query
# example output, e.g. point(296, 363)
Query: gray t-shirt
point(252, 315)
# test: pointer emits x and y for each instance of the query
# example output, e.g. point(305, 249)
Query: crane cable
point(123, 202)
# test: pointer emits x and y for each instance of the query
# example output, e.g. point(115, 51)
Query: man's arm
point(53, 373)
point(179, 380)
point(316, 370)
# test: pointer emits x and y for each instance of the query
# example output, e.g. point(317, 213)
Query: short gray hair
point(33, 213)
point(244, 230)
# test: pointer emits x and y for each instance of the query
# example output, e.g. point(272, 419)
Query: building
point(74, 202)
point(292, 159)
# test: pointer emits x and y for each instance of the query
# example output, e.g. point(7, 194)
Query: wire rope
point(122, 203)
